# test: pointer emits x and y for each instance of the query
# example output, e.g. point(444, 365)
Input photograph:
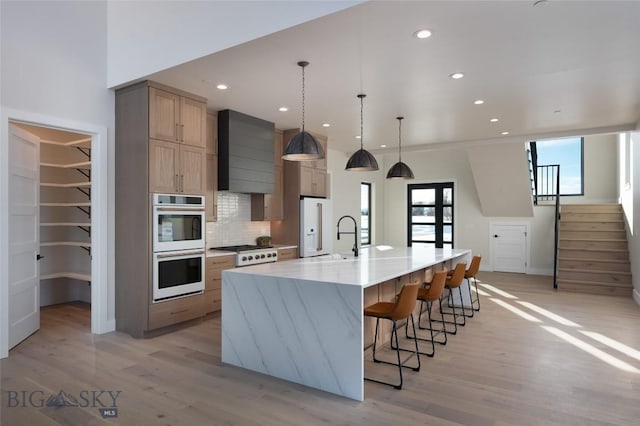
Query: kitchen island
point(302, 320)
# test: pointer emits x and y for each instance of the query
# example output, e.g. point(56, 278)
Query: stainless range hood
point(245, 153)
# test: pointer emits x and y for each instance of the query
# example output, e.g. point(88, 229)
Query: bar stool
point(402, 309)
point(428, 296)
point(452, 282)
point(471, 273)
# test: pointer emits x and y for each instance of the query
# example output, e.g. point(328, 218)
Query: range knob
point(268, 254)
point(250, 257)
point(244, 258)
point(262, 256)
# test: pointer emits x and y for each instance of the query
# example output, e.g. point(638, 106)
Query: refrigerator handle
point(319, 248)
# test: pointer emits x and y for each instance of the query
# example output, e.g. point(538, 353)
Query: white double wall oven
point(178, 245)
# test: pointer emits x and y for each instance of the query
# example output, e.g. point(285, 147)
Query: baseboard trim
point(636, 296)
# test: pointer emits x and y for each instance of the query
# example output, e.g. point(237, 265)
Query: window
point(365, 213)
point(430, 215)
point(568, 153)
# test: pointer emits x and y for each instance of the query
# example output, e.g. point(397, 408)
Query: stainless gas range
point(251, 255)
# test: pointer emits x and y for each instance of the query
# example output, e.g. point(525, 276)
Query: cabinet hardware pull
point(177, 132)
point(182, 132)
point(181, 183)
point(176, 183)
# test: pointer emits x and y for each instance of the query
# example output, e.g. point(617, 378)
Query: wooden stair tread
point(594, 271)
point(609, 250)
point(594, 283)
point(594, 239)
point(580, 259)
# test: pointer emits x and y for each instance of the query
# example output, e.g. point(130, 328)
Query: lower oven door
point(177, 273)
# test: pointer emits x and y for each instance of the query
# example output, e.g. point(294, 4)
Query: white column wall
point(629, 197)
point(54, 71)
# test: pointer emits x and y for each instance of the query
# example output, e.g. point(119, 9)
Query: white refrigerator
point(316, 236)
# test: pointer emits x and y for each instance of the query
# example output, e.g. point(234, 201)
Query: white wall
point(600, 170)
point(54, 69)
point(345, 196)
point(629, 193)
point(145, 37)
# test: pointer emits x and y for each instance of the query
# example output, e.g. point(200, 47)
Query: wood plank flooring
point(501, 369)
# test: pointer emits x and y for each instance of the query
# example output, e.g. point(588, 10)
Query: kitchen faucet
point(355, 233)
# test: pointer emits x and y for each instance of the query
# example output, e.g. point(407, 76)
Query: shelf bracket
point(86, 173)
point(85, 229)
point(85, 192)
point(85, 151)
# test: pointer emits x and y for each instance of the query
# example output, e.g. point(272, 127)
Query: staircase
point(593, 255)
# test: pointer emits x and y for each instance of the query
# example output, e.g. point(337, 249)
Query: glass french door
point(430, 211)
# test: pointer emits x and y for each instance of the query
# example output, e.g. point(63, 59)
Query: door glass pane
point(423, 232)
point(447, 196)
point(447, 214)
point(423, 214)
point(423, 244)
point(423, 196)
point(446, 233)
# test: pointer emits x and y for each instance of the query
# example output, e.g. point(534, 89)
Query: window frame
point(439, 205)
point(369, 215)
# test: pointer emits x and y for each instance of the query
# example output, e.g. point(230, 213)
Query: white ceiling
point(555, 68)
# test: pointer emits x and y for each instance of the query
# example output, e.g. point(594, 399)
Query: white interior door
point(509, 247)
point(24, 234)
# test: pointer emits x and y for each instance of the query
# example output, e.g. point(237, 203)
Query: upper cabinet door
point(164, 115)
point(164, 172)
point(193, 163)
point(193, 124)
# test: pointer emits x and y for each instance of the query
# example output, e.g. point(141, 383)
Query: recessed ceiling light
point(456, 75)
point(283, 109)
point(222, 86)
point(422, 34)
point(478, 102)
point(358, 137)
point(557, 111)
point(383, 146)
point(504, 133)
point(326, 125)
point(494, 120)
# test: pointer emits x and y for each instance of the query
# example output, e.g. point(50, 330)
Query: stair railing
point(556, 229)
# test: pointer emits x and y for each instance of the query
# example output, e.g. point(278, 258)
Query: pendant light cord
point(303, 96)
point(361, 120)
point(400, 139)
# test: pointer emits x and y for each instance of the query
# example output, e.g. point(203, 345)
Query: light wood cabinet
point(176, 168)
point(313, 182)
point(177, 310)
point(300, 179)
point(212, 133)
point(211, 197)
point(176, 118)
point(160, 137)
point(213, 282)
point(287, 253)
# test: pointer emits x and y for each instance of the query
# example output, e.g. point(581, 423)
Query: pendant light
point(361, 160)
point(400, 170)
point(303, 146)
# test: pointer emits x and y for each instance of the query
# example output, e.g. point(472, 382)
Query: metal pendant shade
point(361, 160)
point(303, 146)
point(400, 170)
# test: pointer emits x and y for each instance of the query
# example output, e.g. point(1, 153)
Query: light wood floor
point(500, 369)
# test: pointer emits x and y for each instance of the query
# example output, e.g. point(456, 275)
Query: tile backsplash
point(234, 225)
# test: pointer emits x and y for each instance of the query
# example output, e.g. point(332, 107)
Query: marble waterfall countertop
point(302, 319)
point(373, 266)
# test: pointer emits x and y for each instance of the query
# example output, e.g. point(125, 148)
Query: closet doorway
point(50, 225)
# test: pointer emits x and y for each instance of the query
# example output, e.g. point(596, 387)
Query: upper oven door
point(178, 228)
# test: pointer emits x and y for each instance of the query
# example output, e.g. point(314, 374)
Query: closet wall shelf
point(75, 275)
point(65, 243)
point(69, 143)
point(66, 185)
point(66, 204)
point(65, 224)
point(81, 165)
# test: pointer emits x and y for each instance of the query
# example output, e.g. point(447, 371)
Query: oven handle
point(179, 254)
point(178, 209)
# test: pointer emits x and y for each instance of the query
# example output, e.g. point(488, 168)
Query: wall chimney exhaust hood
point(245, 153)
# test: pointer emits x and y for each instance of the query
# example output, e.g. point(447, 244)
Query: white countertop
point(373, 266)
